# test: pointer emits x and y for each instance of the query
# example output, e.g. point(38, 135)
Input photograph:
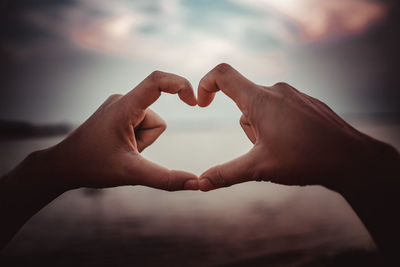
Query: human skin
point(298, 140)
point(103, 152)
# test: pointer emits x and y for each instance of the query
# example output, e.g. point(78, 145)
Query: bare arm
point(298, 140)
point(22, 194)
point(102, 152)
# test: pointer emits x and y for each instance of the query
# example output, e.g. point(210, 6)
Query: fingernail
point(191, 185)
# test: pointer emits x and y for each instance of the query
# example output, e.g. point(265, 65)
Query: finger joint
point(223, 68)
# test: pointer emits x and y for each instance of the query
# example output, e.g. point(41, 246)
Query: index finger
point(225, 78)
point(149, 90)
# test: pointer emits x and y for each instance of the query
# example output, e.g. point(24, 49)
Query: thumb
point(141, 171)
point(239, 170)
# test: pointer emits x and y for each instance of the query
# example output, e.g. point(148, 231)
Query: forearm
point(23, 192)
point(377, 206)
point(376, 200)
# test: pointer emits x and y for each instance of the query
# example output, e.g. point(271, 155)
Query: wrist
point(38, 172)
point(378, 166)
point(24, 191)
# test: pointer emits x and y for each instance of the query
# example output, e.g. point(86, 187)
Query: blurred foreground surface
point(253, 224)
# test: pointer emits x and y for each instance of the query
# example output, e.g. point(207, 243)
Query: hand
point(105, 150)
point(298, 140)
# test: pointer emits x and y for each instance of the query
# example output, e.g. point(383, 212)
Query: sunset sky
point(61, 59)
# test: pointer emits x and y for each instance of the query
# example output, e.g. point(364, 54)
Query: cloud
point(320, 18)
point(198, 31)
point(93, 47)
point(166, 33)
point(201, 33)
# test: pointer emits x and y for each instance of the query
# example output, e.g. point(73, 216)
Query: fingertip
point(191, 99)
point(192, 102)
point(205, 185)
point(184, 181)
point(202, 103)
point(187, 96)
point(192, 184)
point(205, 99)
point(205, 95)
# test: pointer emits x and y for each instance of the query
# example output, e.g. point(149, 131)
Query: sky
point(61, 59)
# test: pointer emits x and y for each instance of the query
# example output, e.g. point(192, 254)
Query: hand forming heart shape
point(289, 130)
point(298, 140)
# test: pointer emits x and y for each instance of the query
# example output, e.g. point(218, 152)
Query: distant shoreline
point(19, 129)
point(11, 129)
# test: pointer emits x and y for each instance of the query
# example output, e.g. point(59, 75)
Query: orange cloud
point(321, 18)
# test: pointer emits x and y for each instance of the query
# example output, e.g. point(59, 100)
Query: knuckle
point(244, 121)
point(247, 109)
point(113, 97)
point(281, 84)
point(163, 126)
point(156, 75)
point(223, 68)
point(282, 87)
point(185, 84)
point(109, 102)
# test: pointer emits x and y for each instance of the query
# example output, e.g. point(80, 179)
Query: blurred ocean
point(252, 224)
